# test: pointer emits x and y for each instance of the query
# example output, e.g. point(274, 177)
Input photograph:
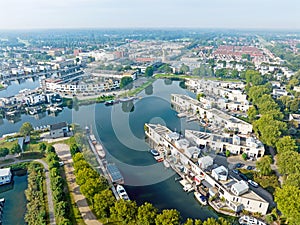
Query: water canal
point(121, 129)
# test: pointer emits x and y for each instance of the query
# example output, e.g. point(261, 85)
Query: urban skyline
point(232, 14)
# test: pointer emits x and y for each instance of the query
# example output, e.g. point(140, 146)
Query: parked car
point(61, 163)
point(252, 183)
point(250, 167)
point(236, 172)
point(244, 177)
point(239, 165)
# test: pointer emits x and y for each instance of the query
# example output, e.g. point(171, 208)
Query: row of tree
point(267, 116)
point(61, 207)
point(101, 199)
point(36, 207)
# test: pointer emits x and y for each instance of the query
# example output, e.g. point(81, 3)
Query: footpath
point(63, 152)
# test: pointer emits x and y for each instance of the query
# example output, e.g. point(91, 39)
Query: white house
point(5, 176)
point(220, 173)
point(59, 130)
point(239, 188)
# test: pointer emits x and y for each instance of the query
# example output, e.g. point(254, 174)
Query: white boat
point(166, 164)
point(201, 198)
point(122, 193)
point(248, 220)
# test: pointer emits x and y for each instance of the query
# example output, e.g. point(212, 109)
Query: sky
point(246, 14)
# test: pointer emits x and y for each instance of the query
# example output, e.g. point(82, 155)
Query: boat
point(122, 193)
point(166, 164)
point(201, 198)
point(109, 102)
point(100, 150)
point(154, 152)
point(159, 158)
point(248, 220)
point(127, 99)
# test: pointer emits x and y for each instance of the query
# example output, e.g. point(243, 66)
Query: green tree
point(42, 147)
point(102, 203)
point(124, 211)
point(293, 180)
point(189, 222)
point(286, 143)
point(288, 162)
point(168, 217)
point(149, 71)
point(263, 165)
point(74, 149)
point(227, 153)
point(146, 214)
point(50, 149)
point(126, 82)
point(15, 149)
point(4, 152)
point(184, 69)
point(26, 129)
point(252, 113)
point(268, 129)
point(254, 77)
point(288, 202)
point(244, 156)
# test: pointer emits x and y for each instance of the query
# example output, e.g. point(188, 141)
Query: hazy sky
point(273, 14)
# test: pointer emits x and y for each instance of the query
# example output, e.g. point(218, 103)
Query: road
point(48, 186)
point(63, 152)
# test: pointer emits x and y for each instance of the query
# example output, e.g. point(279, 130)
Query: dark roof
point(58, 126)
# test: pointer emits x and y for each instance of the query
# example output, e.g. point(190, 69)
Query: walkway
point(63, 151)
point(48, 185)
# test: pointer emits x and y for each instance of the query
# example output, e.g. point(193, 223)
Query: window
point(260, 205)
point(248, 202)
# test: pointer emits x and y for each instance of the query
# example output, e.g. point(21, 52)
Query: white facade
point(5, 176)
point(235, 199)
point(215, 116)
point(236, 144)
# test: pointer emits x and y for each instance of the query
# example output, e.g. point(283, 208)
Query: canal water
point(15, 201)
point(121, 130)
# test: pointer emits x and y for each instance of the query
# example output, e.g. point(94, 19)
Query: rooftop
point(4, 172)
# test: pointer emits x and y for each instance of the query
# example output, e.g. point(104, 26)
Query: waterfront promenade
point(63, 152)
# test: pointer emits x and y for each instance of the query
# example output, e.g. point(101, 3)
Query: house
point(205, 162)
point(237, 198)
point(220, 173)
point(239, 188)
point(5, 176)
point(295, 118)
point(59, 130)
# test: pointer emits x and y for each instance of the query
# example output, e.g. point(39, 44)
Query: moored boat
point(122, 192)
point(248, 220)
point(201, 198)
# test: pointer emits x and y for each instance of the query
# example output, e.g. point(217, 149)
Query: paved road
point(48, 186)
point(63, 151)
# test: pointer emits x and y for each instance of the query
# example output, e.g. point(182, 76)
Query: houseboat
point(201, 198)
point(5, 176)
point(122, 193)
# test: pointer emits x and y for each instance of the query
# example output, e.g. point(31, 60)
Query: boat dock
point(103, 168)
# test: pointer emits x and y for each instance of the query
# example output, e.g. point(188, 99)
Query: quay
point(102, 163)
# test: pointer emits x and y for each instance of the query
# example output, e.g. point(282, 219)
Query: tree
point(293, 180)
point(102, 203)
point(126, 82)
point(252, 113)
point(4, 152)
point(288, 202)
point(286, 143)
point(227, 153)
point(15, 149)
point(189, 222)
point(124, 211)
point(149, 71)
point(90, 187)
point(146, 214)
point(168, 217)
point(42, 147)
point(184, 69)
point(288, 162)
point(26, 129)
point(254, 77)
point(244, 156)
point(268, 129)
point(263, 165)
point(74, 149)
point(50, 149)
